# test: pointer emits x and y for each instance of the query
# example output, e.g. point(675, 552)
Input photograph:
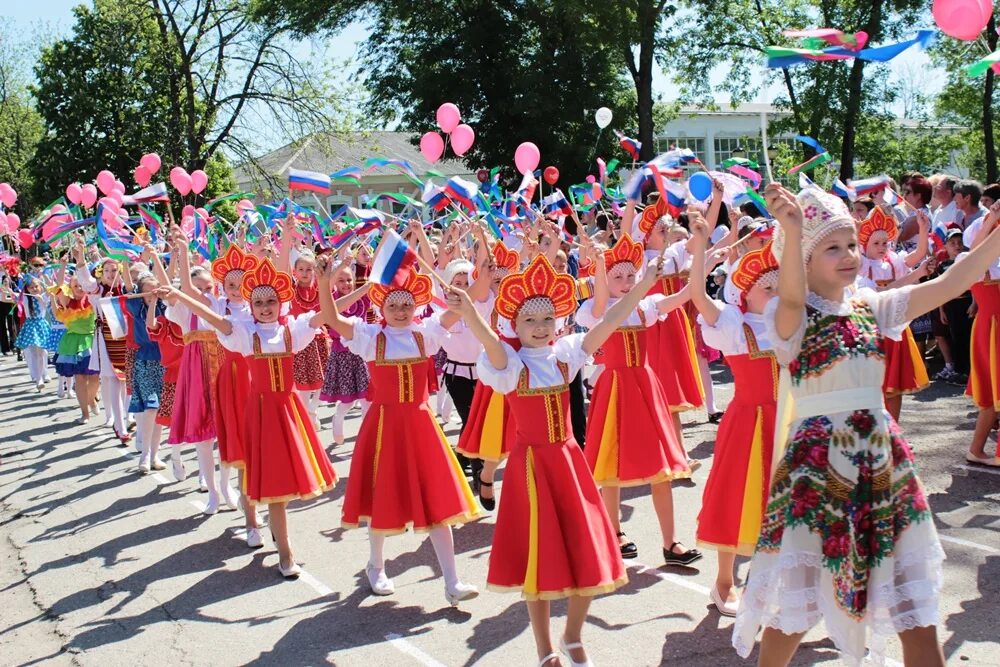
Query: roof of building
point(328, 153)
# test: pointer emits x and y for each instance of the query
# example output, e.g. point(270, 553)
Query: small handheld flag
point(310, 181)
point(393, 261)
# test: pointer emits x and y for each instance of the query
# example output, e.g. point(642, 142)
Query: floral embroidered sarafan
point(831, 338)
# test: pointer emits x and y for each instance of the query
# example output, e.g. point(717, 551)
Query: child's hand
point(784, 207)
point(459, 302)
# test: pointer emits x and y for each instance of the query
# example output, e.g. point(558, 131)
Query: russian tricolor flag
point(631, 146)
point(462, 192)
point(868, 185)
point(434, 197)
point(311, 181)
point(155, 192)
point(556, 204)
point(393, 261)
point(676, 196)
point(838, 188)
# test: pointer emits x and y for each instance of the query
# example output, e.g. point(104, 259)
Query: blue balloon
point(700, 185)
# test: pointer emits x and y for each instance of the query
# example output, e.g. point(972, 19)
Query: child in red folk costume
point(736, 489)
point(310, 362)
point(192, 420)
point(881, 269)
point(283, 457)
point(670, 341)
point(553, 538)
point(345, 379)
point(232, 385)
point(629, 438)
point(847, 535)
point(487, 435)
point(403, 472)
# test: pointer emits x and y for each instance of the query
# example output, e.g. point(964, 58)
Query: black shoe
point(686, 558)
point(715, 417)
point(629, 550)
point(489, 504)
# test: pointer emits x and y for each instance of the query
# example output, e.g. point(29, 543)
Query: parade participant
point(73, 308)
point(147, 371)
point(847, 535)
point(192, 420)
point(33, 338)
point(487, 434)
point(553, 538)
point(232, 384)
point(905, 372)
point(283, 457)
point(404, 474)
point(345, 380)
point(631, 441)
point(108, 355)
point(736, 489)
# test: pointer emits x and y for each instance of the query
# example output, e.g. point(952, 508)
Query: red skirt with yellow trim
point(905, 372)
point(629, 437)
point(553, 538)
point(984, 368)
point(672, 359)
point(232, 387)
point(309, 364)
point(284, 459)
point(490, 429)
point(404, 473)
point(736, 491)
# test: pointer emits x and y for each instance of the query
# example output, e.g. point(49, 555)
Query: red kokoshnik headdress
point(234, 259)
point(625, 251)
point(265, 275)
point(877, 221)
point(538, 281)
point(417, 285)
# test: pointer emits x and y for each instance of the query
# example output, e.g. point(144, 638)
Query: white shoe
point(566, 648)
point(291, 572)
point(177, 465)
point(212, 505)
point(45, 379)
point(991, 461)
point(338, 438)
point(143, 466)
point(61, 390)
point(228, 498)
point(547, 660)
point(460, 593)
point(380, 584)
point(157, 464)
point(725, 607)
point(254, 538)
point(39, 385)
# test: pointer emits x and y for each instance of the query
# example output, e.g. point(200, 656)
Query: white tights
point(38, 363)
point(341, 412)
point(444, 402)
point(206, 466)
point(148, 434)
point(310, 399)
point(444, 549)
point(113, 400)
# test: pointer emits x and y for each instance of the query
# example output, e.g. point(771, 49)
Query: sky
point(57, 16)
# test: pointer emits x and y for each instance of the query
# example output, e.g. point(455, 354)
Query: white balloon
point(603, 117)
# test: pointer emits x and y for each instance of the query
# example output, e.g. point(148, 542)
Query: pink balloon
point(187, 224)
point(26, 238)
point(119, 187)
point(199, 179)
point(88, 197)
point(591, 178)
point(462, 138)
point(431, 146)
point(58, 208)
point(117, 197)
point(13, 221)
point(7, 195)
point(109, 204)
point(448, 117)
point(105, 181)
point(244, 205)
point(526, 157)
point(142, 176)
point(187, 211)
point(962, 19)
point(151, 161)
point(204, 215)
point(181, 180)
point(73, 193)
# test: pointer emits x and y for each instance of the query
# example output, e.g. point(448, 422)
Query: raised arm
point(127, 275)
point(961, 275)
point(325, 273)
point(283, 262)
point(696, 280)
point(599, 304)
point(914, 258)
point(628, 217)
point(792, 276)
point(197, 307)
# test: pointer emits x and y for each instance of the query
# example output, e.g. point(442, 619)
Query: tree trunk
point(648, 17)
point(989, 142)
point(854, 96)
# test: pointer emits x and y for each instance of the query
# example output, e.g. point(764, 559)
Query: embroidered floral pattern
point(857, 515)
point(829, 339)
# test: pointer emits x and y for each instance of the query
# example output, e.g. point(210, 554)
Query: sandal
point(684, 558)
point(628, 549)
point(489, 504)
point(123, 438)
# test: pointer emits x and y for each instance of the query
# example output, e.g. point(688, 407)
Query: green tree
point(20, 125)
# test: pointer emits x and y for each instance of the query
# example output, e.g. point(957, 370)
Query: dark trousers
point(578, 409)
point(960, 332)
point(462, 390)
point(8, 326)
